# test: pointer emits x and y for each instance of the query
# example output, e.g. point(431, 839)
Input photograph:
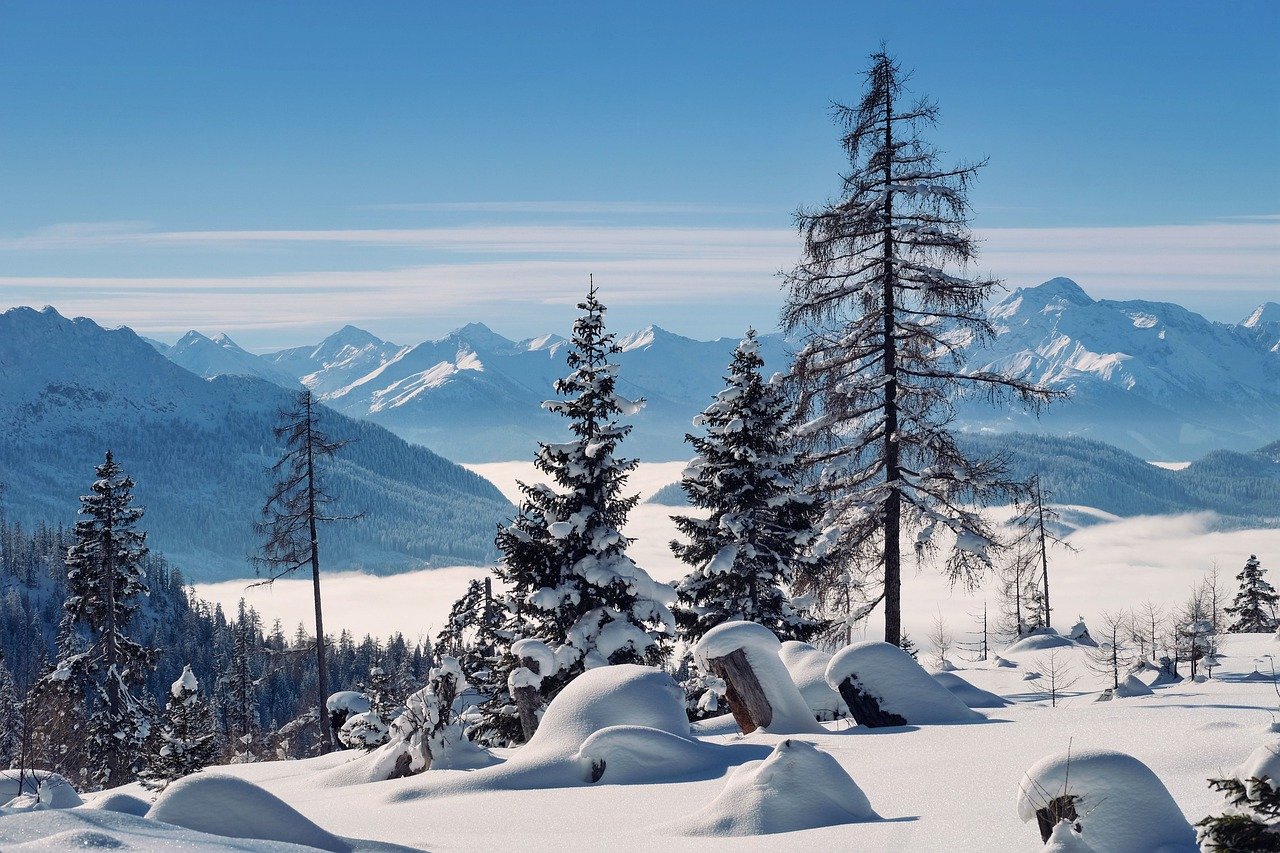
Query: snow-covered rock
point(1045, 638)
point(123, 803)
point(899, 684)
point(791, 713)
point(347, 701)
point(1131, 686)
point(226, 805)
point(1262, 763)
point(973, 697)
point(808, 669)
point(1122, 806)
point(797, 787)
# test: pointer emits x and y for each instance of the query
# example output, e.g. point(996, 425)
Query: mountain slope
point(199, 451)
point(1151, 377)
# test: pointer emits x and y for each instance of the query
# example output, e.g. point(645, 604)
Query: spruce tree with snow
point(761, 528)
point(186, 740)
point(97, 659)
point(883, 311)
point(565, 559)
point(1254, 608)
point(12, 724)
point(240, 688)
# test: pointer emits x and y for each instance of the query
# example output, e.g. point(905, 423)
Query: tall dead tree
point(1034, 521)
point(884, 309)
point(291, 515)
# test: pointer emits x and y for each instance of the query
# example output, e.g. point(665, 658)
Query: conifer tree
point(1254, 608)
point(565, 564)
point(761, 528)
point(883, 309)
point(98, 662)
point(292, 514)
point(240, 688)
point(186, 740)
point(12, 723)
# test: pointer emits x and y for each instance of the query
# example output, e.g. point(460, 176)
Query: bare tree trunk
point(527, 700)
point(322, 674)
point(747, 701)
point(1044, 550)
point(893, 506)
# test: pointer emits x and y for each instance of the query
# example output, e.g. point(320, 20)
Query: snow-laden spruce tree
point(99, 664)
point(565, 564)
point(238, 688)
point(12, 723)
point(761, 528)
point(884, 306)
point(185, 740)
point(1254, 608)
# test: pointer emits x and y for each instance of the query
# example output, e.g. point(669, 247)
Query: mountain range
point(199, 451)
point(1150, 377)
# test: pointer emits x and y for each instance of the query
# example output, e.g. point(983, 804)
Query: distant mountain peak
point(353, 336)
point(1267, 312)
point(480, 335)
point(1061, 288)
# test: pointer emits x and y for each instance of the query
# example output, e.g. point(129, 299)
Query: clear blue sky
point(277, 169)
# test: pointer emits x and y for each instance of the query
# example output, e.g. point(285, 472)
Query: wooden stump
point(1054, 812)
point(866, 709)
point(747, 701)
point(527, 701)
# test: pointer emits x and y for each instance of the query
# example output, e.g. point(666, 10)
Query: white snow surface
point(1123, 807)
point(808, 669)
point(973, 697)
point(899, 683)
point(1262, 763)
point(797, 787)
point(791, 713)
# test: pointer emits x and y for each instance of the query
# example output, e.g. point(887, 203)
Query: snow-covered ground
point(1121, 562)
point(934, 787)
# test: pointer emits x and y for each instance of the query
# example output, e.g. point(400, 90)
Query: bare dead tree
point(1113, 652)
point(884, 311)
point(1035, 521)
point(292, 514)
point(940, 637)
point(1056, 676)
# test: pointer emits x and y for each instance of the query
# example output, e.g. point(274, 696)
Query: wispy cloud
point(452, 270)
point(567, 208)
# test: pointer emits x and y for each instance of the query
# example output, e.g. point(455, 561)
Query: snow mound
point(123, 803)
point(1132, 686)
point(797, 787)
point(791, 714)
point(808, 669)
point(945, 665)
point(54, 791)
point(998, 661)
point(972, 697)
point(1038, 643)
point(622, 695)
point(1262, 763)
point(628, 755)
point(1122, 806)
point(350, 701)
point(226, 805)
point(898, 683)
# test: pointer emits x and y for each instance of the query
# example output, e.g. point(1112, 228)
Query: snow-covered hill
point(1150, 377)
point(199, 450)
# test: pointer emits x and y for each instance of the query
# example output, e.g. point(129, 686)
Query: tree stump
point(747, 701)
point(1054, 812)
point(527, 700)
point(865, 708)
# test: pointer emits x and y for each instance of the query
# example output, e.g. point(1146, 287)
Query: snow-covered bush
point(428, 733)
point(1251, 820)
point(883, 685)
point(1112, 800)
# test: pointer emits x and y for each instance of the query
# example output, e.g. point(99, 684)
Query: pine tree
point(12, 722)
point(1255, 604)
point(883, 325)
point(292, 514)
point(761, 529)
point(98, 661)
point(186, 740)
point(240, 688)
point(571, 582)
point(1251, 821)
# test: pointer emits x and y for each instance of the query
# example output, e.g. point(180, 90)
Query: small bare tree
point(1035, 520)
point(1113, 652)
point(292, 514)
point(1056, 676)
point(941, 638)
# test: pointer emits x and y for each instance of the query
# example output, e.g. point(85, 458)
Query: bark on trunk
point(747, 701)
point(866, 709)
point(527, 701)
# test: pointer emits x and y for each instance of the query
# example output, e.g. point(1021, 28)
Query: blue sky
point(278, 169)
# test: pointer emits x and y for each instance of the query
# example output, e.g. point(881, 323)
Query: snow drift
point(797, 787)
point(808, 669)
point(972, 697)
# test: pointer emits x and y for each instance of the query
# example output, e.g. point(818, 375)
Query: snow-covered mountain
point(1150, 377)
point(221, 356)
point(475, 395)
point(199, 450)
